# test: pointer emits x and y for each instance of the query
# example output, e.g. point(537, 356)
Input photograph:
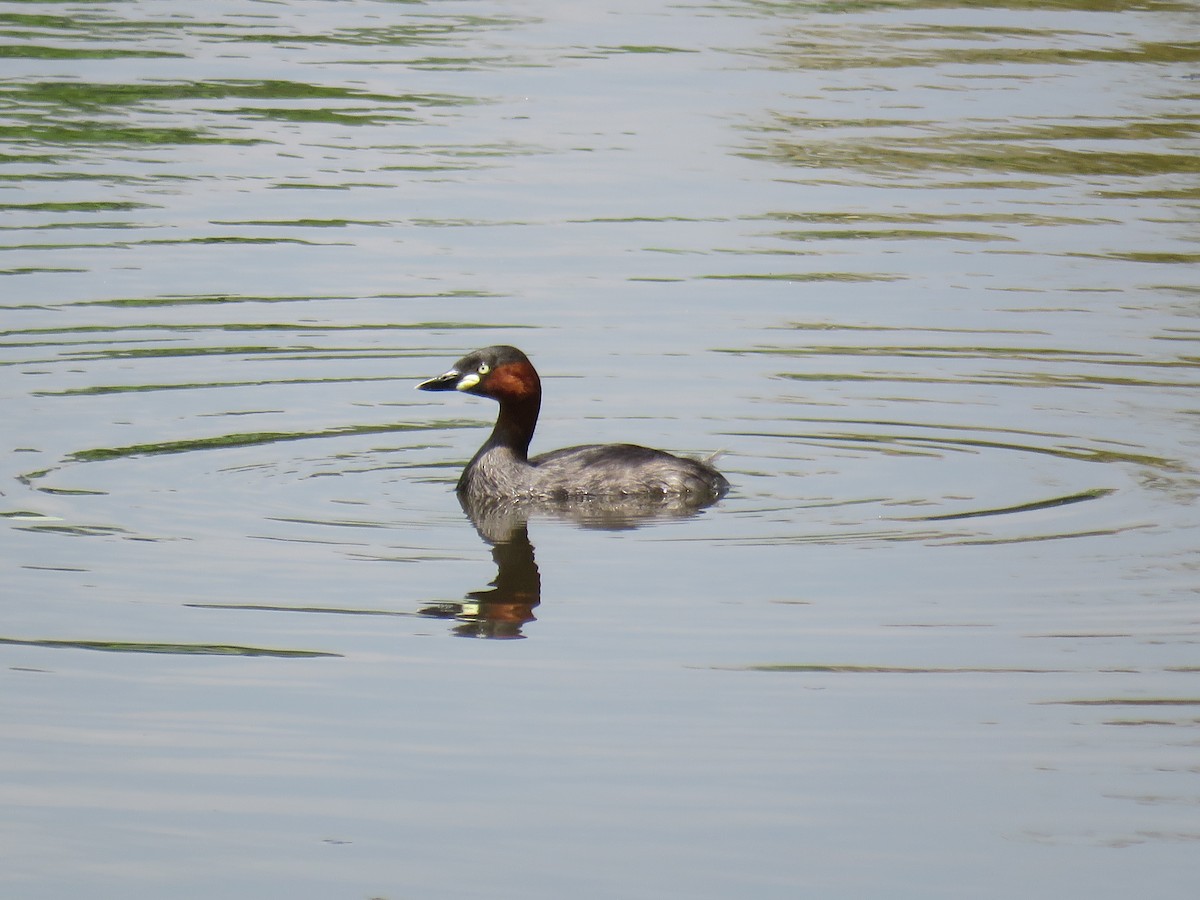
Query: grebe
point(502, 468)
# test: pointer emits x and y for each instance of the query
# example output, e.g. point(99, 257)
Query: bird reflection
point(502, 610)
point(507, 605)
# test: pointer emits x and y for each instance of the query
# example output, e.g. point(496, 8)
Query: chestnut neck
point(515, 424)
point(518, 389)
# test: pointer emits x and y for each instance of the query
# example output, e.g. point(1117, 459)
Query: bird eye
point(483, 369)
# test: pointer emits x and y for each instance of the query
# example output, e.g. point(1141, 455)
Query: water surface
point(925, 272)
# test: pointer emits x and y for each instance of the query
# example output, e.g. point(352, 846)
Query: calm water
point(924, 271)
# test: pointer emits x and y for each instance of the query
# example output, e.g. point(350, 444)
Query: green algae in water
point(247, 439)
point(173, 649)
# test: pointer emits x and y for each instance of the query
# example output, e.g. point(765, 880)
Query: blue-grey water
point(924, 272)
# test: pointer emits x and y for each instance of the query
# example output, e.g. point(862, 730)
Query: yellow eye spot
point(484, 368)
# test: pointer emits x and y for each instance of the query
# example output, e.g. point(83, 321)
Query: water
point(925, 272)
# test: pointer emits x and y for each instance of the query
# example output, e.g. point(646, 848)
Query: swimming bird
point(503, 470)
